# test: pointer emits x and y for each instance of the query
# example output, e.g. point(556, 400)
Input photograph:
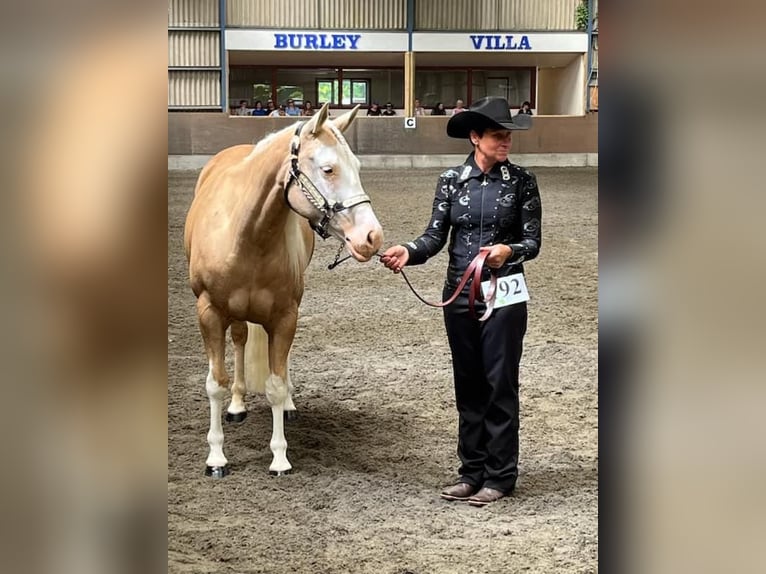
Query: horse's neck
point(267, 221)
point(263, 207)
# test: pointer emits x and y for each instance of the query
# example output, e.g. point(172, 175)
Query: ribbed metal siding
point(363, 14)
point(272, 14)
point(537, 14)
point(193, 48)
point(193, 13)
point(495, 14)
point(194, 88)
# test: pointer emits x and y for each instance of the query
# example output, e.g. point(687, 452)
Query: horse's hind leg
point(213, 327)
point(280, 340)
point(290, 412)
point(237, 412)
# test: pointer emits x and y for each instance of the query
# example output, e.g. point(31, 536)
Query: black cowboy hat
point(490, 112)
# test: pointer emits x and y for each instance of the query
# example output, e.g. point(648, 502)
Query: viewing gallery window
point(342, 87)
point(354, 92)
point(514, 84)
point(448, 85)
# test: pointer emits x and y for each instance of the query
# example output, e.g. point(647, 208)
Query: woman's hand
point(498, 255)
point(395, 257)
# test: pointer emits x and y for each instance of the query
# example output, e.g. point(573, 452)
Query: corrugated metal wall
point(193, 48)
point(194, 88)
point(193, 13)
point(271, 13)
point(317, 14)
point(385, 15)
point(495, 14)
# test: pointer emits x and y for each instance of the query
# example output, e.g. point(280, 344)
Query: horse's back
point(222, 161)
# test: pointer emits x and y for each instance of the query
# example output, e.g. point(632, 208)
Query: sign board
point(410, 122)
point(315, 40)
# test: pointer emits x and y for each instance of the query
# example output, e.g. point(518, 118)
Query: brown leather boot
point(486, 496)
point(459, 491)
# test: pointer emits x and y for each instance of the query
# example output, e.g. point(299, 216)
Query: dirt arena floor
point(376, 434)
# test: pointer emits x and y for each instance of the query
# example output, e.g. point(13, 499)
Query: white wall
point(561, 91)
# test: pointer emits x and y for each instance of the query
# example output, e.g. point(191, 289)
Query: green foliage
point(582, 16)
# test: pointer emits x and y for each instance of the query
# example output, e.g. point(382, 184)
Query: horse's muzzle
point(364, 242)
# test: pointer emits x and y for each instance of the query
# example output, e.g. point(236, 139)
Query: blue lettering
point(524, 44)
point(509, 45)
point(354, 38)
point(323, 41)
point(311, 41)
point(476, 41)
point(497, 45)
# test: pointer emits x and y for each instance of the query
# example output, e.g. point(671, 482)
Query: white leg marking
point(276, 393)
point(215, 393)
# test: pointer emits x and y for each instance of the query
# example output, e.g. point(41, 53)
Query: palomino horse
point(248, 241)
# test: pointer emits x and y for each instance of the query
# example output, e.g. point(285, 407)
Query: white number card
point(511, 289)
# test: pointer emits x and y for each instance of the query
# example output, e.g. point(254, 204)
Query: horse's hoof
point(216, 471)
point(291, 416)
point(281, 472)
point(235, 417)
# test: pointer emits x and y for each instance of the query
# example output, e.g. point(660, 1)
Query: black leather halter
point(315, 196)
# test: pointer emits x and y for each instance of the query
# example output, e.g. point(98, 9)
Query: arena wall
point(209, 133)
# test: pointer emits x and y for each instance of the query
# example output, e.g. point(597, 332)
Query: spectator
point(270, 107)
point(458, 107)
point(278, 113)
point(419, 111)
point(242, 109)
point(259, 109)
point(374, 109)
point(308, 109)
point(291, 109)
point(439, 110)
point(526, 108)
point(389, 111)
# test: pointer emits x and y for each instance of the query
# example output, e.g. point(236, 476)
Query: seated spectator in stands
point(439, 110)
point(419, 111)
point(291, 109)
point(270, 107)
point(259, 110)
point(308, 109)
point(526, 108)
point(242, 109)
point(458, 107)
point(278, 113)
point(374, 109)
point(389, 110)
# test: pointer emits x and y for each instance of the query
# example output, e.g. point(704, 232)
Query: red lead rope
point(474, 269)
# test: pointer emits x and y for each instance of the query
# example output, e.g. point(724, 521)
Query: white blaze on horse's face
point(329, 163)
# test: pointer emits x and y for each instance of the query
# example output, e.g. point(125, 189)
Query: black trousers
point(485, 361)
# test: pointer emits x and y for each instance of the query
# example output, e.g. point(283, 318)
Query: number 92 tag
point(511, 289)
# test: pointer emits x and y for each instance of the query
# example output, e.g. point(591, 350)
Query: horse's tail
point(256, 359)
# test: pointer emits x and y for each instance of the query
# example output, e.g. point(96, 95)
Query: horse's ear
point(342, 122)
point(315, 124)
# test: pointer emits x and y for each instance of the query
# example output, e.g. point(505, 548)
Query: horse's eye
point(327, 169)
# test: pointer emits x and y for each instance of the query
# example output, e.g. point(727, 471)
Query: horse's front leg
point(281, 337)
point(213, 327)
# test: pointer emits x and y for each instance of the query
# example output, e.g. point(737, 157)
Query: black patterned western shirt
point(502, 206)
